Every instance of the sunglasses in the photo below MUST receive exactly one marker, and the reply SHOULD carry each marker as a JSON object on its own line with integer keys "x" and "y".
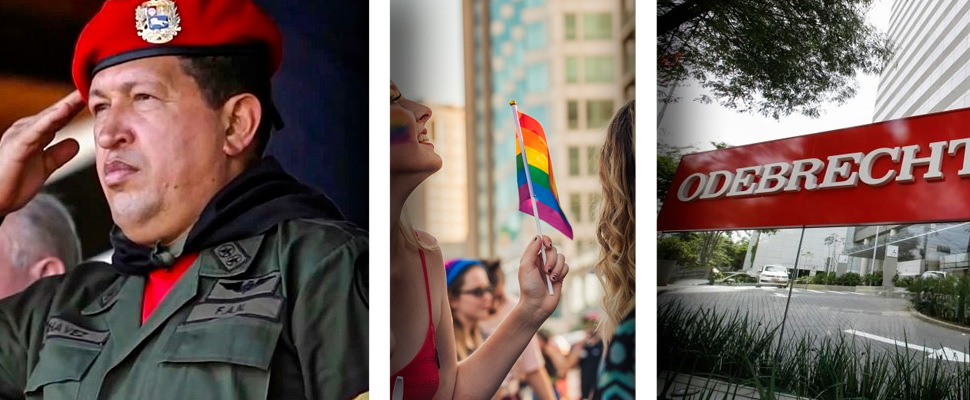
{"x": 479, "y": 292}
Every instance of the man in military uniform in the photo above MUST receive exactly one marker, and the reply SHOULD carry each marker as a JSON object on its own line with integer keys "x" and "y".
{"x": 229, "y": 279}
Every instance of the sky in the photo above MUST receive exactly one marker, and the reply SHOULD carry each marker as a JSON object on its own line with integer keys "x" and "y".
{"x": 691, "y": 123}
{"x": 426, "y": 50}
{"x": 426, "y": 63}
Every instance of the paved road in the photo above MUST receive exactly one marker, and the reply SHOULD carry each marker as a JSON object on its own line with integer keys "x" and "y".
{"x": 823, "y": 312}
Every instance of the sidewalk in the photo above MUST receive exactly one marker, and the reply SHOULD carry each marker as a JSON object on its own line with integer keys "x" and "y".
{"x": 687, "y": 387}
{"x": 683, "y": 283}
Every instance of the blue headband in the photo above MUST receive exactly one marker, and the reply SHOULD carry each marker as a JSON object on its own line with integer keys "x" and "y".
{"x": 456, "y": 266}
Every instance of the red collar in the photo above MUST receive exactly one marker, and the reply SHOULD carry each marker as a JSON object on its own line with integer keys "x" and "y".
{"x": 161, "y": 281}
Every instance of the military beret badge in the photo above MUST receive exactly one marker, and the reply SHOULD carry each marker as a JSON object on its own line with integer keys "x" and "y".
{"x": 157, "y": 21}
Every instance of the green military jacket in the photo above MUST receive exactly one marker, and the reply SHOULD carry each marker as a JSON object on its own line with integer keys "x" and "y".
{"x": 282, "y": 315}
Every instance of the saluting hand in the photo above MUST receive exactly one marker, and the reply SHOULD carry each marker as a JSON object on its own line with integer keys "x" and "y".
{"x": 25, "y": 164}
{"x": 533, "y": 274}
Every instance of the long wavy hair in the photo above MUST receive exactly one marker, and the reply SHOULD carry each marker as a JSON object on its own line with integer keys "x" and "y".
{"x": 615, "y": 230}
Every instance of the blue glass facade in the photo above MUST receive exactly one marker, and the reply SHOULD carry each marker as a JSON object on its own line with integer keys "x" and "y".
{"x": 514, "y": 78}
{"x": 537, "y": 80}
{"x": 535, "y": 36}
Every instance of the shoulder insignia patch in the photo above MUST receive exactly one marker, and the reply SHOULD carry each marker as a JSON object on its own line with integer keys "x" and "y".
{"x": 231, "y": 255}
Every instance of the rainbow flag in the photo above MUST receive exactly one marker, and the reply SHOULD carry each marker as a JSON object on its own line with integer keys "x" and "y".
{"x": 543, "y": 180}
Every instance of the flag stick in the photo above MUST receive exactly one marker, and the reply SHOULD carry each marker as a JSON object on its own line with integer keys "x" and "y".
{"x": 532, "y": 195}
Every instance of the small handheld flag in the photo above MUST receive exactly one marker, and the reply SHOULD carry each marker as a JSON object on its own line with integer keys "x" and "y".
{"x": 537, "y": 184}
{"x": 538, "y": 181}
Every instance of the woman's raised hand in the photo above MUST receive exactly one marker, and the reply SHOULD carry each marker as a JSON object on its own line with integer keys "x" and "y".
{"x": 532, "y": 278}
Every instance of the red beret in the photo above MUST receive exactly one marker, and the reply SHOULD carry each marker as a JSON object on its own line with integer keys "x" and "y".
{"x": 126, "y": 30}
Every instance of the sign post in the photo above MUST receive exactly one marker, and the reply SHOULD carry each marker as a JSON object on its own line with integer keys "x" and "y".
{"x": 889, "y": 267}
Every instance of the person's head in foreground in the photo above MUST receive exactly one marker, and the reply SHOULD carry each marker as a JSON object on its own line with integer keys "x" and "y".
{"x": 470, "y": 297}
{"x": 37, "y": 241}
{"x": 413, "y": 158}
{"x": 615, "y": 229}
{"x": 180, "y": 109}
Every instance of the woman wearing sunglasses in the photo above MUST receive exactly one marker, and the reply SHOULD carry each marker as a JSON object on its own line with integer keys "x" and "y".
{"x": 424, "y": 360}
{"x": 470, "y": 297}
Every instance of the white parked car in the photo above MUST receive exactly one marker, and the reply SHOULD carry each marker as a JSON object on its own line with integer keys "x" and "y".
{"x": 773, "y": 275}
{"x": 934, "y": 274}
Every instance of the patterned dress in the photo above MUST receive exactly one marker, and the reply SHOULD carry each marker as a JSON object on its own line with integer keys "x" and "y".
{"x": 616, "y": 382}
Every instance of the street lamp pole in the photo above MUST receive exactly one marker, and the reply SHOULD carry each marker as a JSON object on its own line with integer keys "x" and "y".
{"x": 791, "y": 285}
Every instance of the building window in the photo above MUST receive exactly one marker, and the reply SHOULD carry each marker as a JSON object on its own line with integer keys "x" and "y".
{"x": 594, "y": 203}
{"x": 575, "y": 207}
{"x": 572, "y": 114}
{"x": 535, "y": 36}
{"x": 599, "y": 69}
{"x": 598, "y": 113}
{"x": 573, "y": 161}
{"x": 537, "y": 77}
{"x": 597, "y": 26}
{"x": 570, "y": 26}
{"x": 592, "y": 160}
{"x": 572, "y": 70}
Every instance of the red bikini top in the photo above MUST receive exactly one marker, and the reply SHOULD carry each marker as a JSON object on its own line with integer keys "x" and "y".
{"x": 421, "y": 374}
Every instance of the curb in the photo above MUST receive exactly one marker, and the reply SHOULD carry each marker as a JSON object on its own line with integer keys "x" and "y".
{"x": 667, "y": 289}
{"x": 938, "y": 322}
{"x": 878, "y": 291}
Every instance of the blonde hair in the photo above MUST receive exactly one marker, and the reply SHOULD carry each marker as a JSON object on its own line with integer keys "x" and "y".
{"x": 615, "y": 230}
{"x": 460, "y": 340}
{"x": 454, "y": 290}
{"x": 409, "y": 234}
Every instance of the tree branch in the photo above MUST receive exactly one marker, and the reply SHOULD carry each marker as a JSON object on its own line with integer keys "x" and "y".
{"x": 682, "y": 13}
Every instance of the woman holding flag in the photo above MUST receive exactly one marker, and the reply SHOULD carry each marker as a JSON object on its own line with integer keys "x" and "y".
{"x": 424, "y": 362}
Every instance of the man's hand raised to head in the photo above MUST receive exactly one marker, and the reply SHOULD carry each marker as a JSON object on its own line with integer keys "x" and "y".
{"x": 25, "y": 164}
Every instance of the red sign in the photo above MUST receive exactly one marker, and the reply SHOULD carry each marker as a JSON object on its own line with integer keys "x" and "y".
{"x": 908, "y": 170}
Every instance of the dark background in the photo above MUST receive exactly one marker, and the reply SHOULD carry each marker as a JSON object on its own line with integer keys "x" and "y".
{"x": 321, "y": 91}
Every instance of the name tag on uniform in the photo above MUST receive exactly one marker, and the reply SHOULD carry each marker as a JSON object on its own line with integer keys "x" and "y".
{"x": 267, "y": 307}
{"x": 62, "y": 328}
{"x": 254, "y": 297}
